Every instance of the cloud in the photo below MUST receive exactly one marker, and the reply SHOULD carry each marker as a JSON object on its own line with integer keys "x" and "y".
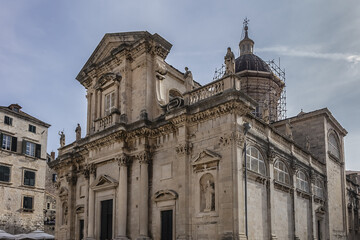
{"x": 287, "y": 51}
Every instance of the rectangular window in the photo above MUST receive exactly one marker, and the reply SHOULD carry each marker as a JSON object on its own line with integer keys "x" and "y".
{"x": 28, "y": 203}
{"x": 4, "y": 173}
{"x": 29, "y": 178}
{"x": 54, "y": 177}
{"x": 8, "y": 142}
{"x": 8, "y": 120}
{"x": 109, "y": 102}
{"x": 30, "y": 149}
{"x": 32, "y": 128}
{"x": 48, "y": 205}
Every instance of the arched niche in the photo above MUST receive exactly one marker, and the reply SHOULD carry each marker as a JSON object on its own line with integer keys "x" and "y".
{"x": 207, "y": 193}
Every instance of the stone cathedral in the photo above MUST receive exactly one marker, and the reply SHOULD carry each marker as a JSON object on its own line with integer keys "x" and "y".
{"x": 164, "y": 157}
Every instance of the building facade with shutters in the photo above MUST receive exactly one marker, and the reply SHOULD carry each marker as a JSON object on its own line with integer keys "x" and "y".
{"x": 164, "y": 158}
{"x": 23, "y": 140}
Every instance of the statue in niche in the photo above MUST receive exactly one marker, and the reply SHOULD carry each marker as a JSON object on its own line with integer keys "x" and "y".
{"x": 207, "y": 188}
{"x": 189, "y": 81}
{"x": 209, "y": 192}
{"x": 229, "y": 62}
{"x": 78, "y": 132}
{"x": 62, "y": 138}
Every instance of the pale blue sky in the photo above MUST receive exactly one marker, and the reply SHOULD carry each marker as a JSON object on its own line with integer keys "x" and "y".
{"x": 44, "y": 44}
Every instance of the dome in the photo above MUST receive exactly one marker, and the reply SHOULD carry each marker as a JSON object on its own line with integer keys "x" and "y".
{"x": 251, "y": 62}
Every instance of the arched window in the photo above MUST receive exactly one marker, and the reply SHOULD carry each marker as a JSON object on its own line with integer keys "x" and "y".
{"x": 318, "y": 189}
{"x": 281, "y": 172}
{"x": 302, "y": 181}
{"x": 333, "y": 145}
{"x": 255, "y": 161}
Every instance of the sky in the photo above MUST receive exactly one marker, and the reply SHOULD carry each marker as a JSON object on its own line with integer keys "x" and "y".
{"x": 45, "y": 43}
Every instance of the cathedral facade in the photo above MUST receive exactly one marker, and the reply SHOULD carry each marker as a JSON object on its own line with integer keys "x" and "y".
{"x": 166, "y": 158}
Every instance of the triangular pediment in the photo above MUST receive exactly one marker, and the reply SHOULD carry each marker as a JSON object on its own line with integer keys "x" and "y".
{"x": 206, "y": 160}
{"x": 103, "y": 182}
{"x": 113, "y": 43}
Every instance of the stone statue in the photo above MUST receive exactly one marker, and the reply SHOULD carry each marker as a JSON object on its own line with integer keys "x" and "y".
{"x": 78, "y": 132}
{"x": 189, "y": 81}
{"x": 288, "y": 131}
{"x": 229, "y": 62}
{"x": 307, "y": 143}
{"x": 62, "y": 138}
{"x": 209, "y": 191}
{"x": 265, "y": 112}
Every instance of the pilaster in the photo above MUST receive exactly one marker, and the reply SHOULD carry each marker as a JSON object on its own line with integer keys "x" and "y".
{"x": 144, "y": 160}
{"x": 91, "y": 207}
{"x": 123, "y": 161}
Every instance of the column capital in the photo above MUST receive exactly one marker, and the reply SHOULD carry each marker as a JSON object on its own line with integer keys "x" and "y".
{"x": 88, "y": 170}
{"x": 144, "y": 157}
{"x": 123, "y": 160}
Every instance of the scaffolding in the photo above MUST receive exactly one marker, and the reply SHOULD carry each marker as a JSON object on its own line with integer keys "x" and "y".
{"x": 219, "y": 72}
{"x": 280, "y": 73}
{"x": 278, "y": 112}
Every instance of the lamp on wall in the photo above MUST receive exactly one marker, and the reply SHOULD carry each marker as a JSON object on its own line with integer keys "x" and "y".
{"x": 247, "y": 127}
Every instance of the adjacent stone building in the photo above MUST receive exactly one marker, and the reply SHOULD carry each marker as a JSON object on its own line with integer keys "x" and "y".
{"x": 163, "y": 157}
{"x": 50, "y": 197}
{"x": 23, "y": 141}
{"x": 353, "y": 197}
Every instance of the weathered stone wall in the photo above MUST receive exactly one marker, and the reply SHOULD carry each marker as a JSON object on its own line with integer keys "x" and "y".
{"x": 284, "y": 227}
{"x": 258, "y": 211}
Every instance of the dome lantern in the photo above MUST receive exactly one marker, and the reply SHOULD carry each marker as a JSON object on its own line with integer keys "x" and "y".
{"x": 246, "y": 45}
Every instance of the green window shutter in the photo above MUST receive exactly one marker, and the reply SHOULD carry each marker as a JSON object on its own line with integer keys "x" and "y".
{"x": 14, "y": 144}
{"x": 23, "y": 147}
{"x": 38, "y": 151}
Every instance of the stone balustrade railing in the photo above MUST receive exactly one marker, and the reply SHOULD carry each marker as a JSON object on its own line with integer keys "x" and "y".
{"x": 105, "y": 121}
{"x": 212, "y": 89}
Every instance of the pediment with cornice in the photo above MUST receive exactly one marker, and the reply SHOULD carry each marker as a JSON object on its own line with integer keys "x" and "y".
{"x": 103, "y": 182}
{"x": 165, "y": 195}
{"x": 113, "y": 43}
{"x": 206, "y": 160}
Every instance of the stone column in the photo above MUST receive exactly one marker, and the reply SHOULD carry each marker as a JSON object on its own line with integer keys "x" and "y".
{"x": 294, "y": 205}
{"x": 123, "y": 161}
{"x": 71, "y": 178}
{"x": 88, "y": 123}
{"x": 144, "y": 159}
{"x": 117, "y": 95}
{"x": 312, "y": 204}
{"x": 271, "y": 200}
{"x": 91, "y": 207}
{"x": 98, "y": 99}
